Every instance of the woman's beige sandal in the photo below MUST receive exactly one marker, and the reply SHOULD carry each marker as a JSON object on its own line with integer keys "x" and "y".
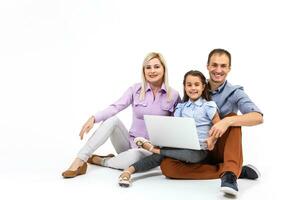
{"x": 125, "y": 179}
{"x": 140, "y": 141}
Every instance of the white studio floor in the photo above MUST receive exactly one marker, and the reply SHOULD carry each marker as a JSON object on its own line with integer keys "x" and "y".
{"x": 40, "y": 179}
{"x": 33, "y": 158}
{"x": 102, "y": 182}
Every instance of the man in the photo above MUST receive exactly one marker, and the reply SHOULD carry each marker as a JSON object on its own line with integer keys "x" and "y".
{"x": 225, "y": 160}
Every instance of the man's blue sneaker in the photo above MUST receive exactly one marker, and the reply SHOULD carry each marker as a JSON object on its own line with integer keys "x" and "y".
{"x": 249, "y": 172}
{"x": 229, "y": 184}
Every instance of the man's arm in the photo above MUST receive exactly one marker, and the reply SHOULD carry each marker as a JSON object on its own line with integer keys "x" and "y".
{"x": 251, "y": 114}
{"x": 216, "y": 118}
{"x": 248, "y": 119}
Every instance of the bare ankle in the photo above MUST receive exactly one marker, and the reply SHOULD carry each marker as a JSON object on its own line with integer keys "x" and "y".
{"x": 126, "y": 173}
{"x": 156, "y": 150}
{"x": 148, "y": 146}
{"x": 131, "y": 169}
{"x": 76, "y": 163}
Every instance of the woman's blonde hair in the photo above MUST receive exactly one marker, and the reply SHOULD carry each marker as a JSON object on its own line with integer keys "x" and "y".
{"x": 149, "y": 57}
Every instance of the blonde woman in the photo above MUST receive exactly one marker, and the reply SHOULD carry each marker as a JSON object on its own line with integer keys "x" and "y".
{"x": 152, "y": 96}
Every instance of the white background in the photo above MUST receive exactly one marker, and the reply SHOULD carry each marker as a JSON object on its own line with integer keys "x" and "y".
{"x": 61, "y": 61}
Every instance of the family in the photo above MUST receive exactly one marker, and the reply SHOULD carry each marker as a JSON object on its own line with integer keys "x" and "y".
{"x": 213, "y": 103}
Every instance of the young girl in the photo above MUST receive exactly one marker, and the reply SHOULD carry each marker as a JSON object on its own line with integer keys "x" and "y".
{"x": 196, "y": 104}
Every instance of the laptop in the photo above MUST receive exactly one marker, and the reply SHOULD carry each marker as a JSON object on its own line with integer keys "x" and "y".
{"x": 176, "y": 132}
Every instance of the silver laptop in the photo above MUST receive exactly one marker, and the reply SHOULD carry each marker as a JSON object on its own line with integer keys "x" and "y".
{"x": 176, "y": 132}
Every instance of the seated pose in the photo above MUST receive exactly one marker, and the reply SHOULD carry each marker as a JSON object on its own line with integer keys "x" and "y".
{"x": 196, "y": 104}
{"x": 225, "y": 161}
{"x": 152, "y": 96}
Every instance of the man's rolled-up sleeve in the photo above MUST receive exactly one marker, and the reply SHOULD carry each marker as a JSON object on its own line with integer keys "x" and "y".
{"x": 245, "y": 104}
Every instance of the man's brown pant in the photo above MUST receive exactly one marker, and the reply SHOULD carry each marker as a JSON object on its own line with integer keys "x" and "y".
{"x": 226, "y": 156}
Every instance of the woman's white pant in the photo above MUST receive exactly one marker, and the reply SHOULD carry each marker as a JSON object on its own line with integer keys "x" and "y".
{"x": 114, "y": 129}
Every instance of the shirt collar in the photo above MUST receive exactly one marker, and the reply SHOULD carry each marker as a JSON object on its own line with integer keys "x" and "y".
{"x": 163, "y": 88}
{"x": 199, "y": 102}
{"x": 219, "y": 89}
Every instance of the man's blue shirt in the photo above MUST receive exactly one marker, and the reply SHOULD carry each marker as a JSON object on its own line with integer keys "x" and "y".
{"x": 231, "y": 99}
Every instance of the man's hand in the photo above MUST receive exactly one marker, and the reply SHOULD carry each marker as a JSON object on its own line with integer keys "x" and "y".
{"x": 219, "y": 128}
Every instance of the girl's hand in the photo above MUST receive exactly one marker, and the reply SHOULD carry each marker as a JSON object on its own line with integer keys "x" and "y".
{"x": 87, "y": 127}
{"x": 211, "y": 141}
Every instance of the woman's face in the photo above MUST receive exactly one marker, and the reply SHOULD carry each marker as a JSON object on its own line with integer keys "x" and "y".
{"x": 154, "y": 71}
{"x": 193, "y": 87}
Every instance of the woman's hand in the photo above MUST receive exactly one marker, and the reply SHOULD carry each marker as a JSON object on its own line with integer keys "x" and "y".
{"x": 87, "y": 126}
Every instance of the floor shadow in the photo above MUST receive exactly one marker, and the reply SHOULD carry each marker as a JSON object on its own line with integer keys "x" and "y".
{"x": 149, "y": 174}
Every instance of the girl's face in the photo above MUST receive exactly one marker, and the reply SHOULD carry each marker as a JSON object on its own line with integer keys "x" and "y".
{"x": 154, "y": 71}
{"x": 193, "y": 87}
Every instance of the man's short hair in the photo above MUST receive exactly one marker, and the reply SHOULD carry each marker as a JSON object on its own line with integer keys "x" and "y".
{"x": 220, "y": 52}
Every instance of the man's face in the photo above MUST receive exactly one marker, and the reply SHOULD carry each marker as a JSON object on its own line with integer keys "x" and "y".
{"x": 218, "y": 68}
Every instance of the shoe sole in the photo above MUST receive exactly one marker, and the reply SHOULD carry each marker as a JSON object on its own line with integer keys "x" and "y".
{"x": 73, "y": 176}
{"x": 228, "y": 190}
{"x": 124, "y": 184}
{"x": 80, "y": 171}
{"x": 255, "y": 169}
